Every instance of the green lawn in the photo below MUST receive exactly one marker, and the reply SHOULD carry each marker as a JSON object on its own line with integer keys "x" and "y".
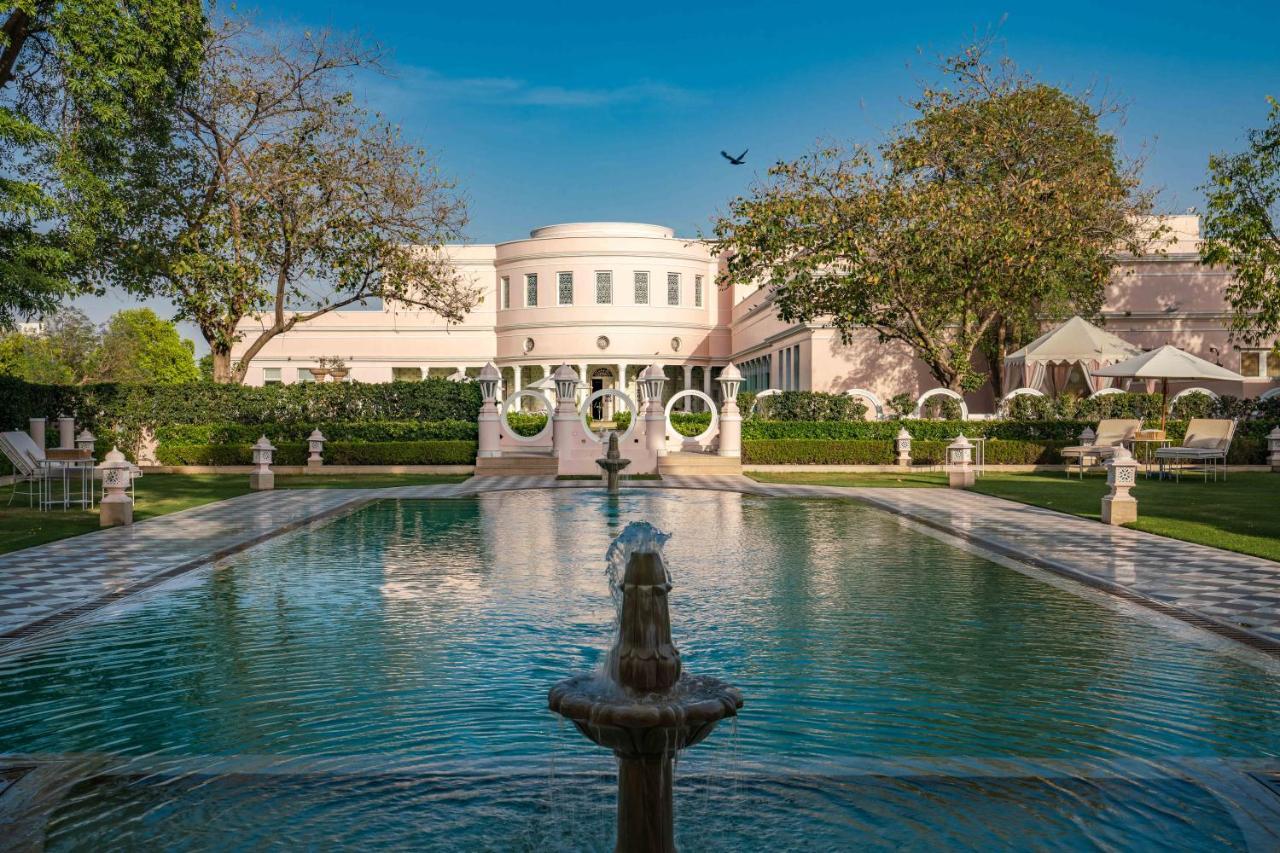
{"x": 1241, "y": 514}
{"x": 160, "y": 494}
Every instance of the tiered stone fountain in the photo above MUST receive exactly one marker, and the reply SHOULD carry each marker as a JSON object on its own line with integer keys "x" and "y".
{"x": 613, "y": 463}
{"x": 643, "y": 706}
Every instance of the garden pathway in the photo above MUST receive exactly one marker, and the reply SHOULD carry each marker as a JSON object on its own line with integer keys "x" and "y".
{"x": 1233, "y": 594}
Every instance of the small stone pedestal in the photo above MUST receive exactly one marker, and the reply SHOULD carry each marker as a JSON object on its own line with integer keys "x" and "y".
{"x": 490, "y": 436}
{"x": 262, "y": 478}
{"x": 315, "y": 446}
{"x": 960, "y": 473}
{"x": 1118, "y": 506}
{"x": 116, "y": 507}
{"x": 730, "y": 418}
{"x": 903, "y": 445}
{"x": 1273, "y": 450}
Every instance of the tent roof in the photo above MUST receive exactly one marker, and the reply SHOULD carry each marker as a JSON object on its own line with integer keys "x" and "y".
{"x": 1168, "y": 362}
{"x": 1075, "y": 340}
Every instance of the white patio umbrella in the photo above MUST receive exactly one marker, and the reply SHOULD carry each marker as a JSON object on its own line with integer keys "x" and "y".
{"x": 1077, "y": 341}
{"x": 1165, "y": 363}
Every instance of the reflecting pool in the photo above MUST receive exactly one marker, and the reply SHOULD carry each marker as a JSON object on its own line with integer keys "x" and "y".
{"x": 381, "y": 680}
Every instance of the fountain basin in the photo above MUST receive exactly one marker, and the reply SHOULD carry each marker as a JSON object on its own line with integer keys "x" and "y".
{"x": 647, "y": 724}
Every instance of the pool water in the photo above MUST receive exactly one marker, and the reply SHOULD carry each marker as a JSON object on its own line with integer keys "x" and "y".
{"x": 381, "y": 680}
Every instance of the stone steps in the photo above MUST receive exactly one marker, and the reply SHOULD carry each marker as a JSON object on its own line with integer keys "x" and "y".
{"x": 693, "y": 464}
{"x": 524, "y": 465}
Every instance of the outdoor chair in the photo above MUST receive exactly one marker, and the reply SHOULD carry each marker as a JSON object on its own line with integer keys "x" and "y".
{"x": 28, "y": 464}
{"x": 1206, "y": 444}
{"x": 1112, "y": 433}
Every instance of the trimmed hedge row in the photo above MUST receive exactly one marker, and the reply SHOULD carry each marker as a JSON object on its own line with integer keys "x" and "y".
{"x": 874, "y": 452}
{"x": 335, "y": 453}
{"x": 371, "y": 431}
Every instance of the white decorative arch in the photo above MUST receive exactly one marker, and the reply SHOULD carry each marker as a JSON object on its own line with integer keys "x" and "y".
{"x": 1185, "y": 391}
{"x": 1003, "y": 405}
{"x": 871, "y": 398}
{"x": 543, "y": 433}
{"x": 585, "y": 410}
{"x": 1107, "y": 392}
{"x": 941, "y": 392}
{"x": 1267, "y": 395}
{"x": 766, "y": 393}
{"x": 712, "y": 429}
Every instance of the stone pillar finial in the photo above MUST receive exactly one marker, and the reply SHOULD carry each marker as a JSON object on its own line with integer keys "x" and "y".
{"x": 1273, "y": 450}
{"x": 1118, "y": 506}
{"x": 730, "y": 380}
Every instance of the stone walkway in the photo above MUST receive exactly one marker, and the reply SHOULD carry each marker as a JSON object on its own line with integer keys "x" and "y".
{"x": 1233, "y": 594}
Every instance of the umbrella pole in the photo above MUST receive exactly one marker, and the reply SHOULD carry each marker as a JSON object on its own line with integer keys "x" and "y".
{"x": 1164, "y": 401}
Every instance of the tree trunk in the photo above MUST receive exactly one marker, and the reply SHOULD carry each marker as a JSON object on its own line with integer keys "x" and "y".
{"x": 996, "y": 362}
{"x": 16, "y": 28}
{"x": 222, "y": 372}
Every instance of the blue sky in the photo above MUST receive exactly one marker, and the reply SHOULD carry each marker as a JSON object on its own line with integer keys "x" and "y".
{"x": 560, "y": 112}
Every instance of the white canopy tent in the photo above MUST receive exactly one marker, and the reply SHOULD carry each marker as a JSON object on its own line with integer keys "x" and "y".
{"x": 1052, "y": 355}
{"x": 1169, "y": 362}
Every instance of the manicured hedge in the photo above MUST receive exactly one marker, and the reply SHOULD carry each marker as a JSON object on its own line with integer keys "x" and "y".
{"x": 371, "y": 431}
{"x": 872, "y": 452}
{"x": 335, "y": 453}
{"x": 127, "y": 409}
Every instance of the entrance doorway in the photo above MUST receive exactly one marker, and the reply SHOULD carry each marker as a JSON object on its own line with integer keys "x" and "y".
{"x": 601, "y": 409}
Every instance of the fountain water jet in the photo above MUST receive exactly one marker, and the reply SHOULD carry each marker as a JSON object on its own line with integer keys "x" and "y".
{"x": 643, "y": 705}
{"x": 612, "y": 463}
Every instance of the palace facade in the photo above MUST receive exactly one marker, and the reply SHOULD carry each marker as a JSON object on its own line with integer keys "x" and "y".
{"x": 611, "y": 298}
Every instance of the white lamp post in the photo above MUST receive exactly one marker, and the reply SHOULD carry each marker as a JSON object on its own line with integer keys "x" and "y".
{"x": 960, "y": 463}
{"x": 490, "y": 437}
{"x": 566, "y": 414}
{"x": 116, "y": 507}
{"x": 902, "y": 443}
{"x": 651, "y": 380}
{"x": 315, "y": 443}
{"x": 1273, "y": 449}
{"x": 730, "y": 380}
{"x": 1118, "y": 506}
{"x": 262, "y": 478}
{"x": 1088, "y": 437}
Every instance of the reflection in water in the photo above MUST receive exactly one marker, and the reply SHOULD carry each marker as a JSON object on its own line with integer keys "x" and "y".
{"x": 408, "y": 649}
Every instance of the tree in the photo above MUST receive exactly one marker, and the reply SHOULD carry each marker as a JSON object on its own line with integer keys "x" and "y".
{"x": 1002, "y": 201}
{"x": 85, "y": 89}
{"x": 1242, "y": 229}
{"x": 137, "y": 346}
{"x": 285, "y": 200}
{"x": 33, "y": 358}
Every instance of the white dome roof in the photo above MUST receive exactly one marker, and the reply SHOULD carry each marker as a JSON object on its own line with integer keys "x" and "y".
{"x": 603, "y": 229}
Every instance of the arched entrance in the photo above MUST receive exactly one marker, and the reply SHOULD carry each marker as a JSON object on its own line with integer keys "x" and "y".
{"x": 602, "y": 406}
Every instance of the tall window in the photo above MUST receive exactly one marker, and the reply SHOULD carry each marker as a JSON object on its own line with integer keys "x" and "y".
{"x": 673, "y": 288}
{"x": 604, "y": 288}
{"x": 565, "y": 290}
{"x": 305, "y": 375}
{"x": 531, "y": 289}
{"x": 697, "y": 291}
{"x": 505, "y": 288}
{"x": 642, "y": 288}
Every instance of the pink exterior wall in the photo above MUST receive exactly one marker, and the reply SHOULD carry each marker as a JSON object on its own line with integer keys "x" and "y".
{"x": 1155, "y": 299}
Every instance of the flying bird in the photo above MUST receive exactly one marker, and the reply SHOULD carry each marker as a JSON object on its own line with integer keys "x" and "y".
{"x": 737, "y": 161}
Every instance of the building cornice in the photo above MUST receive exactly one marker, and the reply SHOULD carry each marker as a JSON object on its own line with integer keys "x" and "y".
{"x": 610, "y": 253}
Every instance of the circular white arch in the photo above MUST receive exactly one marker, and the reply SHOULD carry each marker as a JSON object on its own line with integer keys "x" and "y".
{"x": 1024, "y": 391}
{"x": 943, "y": 392}
{"x": 1108, "y": 391}
{"x": 1267, "y": 395}
{"x": 711, "y": 429}
{"x": 585, "y": 410}
{"x": 1185, "y": 391}
{"x": 871, "y": 398}
{"x": 766, "y": 393}
{"x": 506, "y": 409}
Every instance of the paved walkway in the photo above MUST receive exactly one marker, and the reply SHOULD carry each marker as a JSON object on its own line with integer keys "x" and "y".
{"x": 1231, "y": 593}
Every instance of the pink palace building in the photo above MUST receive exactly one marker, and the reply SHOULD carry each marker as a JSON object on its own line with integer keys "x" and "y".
{"x": 611, "y": 298}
